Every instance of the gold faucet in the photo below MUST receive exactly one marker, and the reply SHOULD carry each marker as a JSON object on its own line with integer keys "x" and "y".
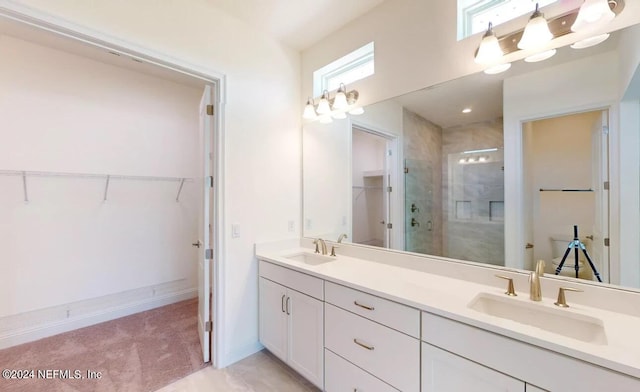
{"x": 535, "y": 293}
{"x": 342, "y": 236}
{"x": 322, "y": 244}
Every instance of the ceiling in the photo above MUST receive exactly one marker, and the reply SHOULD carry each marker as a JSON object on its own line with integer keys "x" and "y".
{"x": 296, "y": 23}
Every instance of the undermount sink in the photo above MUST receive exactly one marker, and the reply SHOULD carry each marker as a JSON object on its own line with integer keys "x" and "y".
{"x": 559, "y": 321}
{"x": 309, "y": 258}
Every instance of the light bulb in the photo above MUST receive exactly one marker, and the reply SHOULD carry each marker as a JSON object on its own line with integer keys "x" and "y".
{"x": 592, "y": 14}
{"x": 309, "y": 111}
{"x": 536, "y": 33}
{"x": 323, "y": 105}
{"x": 489, "y": 51}
{"x": 534, "y": 58}
{"x": 591, "y": 41}
{"x": 496, "y": 69}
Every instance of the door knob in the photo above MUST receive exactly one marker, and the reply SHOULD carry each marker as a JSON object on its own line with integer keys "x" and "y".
{"x": 197, "y": 244}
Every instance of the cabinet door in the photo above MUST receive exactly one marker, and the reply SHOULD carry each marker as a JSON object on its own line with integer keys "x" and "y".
{"x": 273, "y": 318}
{"x": 306, "y": 334}
{"x": 532, "y": 388}
{"x": 446, "y": 372}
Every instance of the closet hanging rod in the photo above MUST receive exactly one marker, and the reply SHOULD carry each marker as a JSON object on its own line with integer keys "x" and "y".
{"x": 565, "y": 190}
{"x": 26, "y": 173}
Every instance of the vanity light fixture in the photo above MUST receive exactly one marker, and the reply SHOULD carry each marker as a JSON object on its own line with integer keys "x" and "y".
{"x": 593, "y": 14}
{"x": 482, "y": 150}
{"x": 466, "y": 110}
{"x": 328, "y": 108}
{"x": 590, "y": 18}
{"x": 536, "y": 33}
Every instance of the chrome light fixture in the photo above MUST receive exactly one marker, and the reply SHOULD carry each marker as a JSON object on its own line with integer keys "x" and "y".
{"x": 489, "y": 51}
{"x": 327, "y": 109}
{"x": 593, "y": 14}
{"x": 536, "y": 33}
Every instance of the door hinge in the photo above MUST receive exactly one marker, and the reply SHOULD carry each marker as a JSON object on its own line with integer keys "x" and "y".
{"x": 390, "y": 153}
{"x": 208, "y": 254}
{"x": 389, "y": 225}
{"x": 406, "y": 170}
{"x": 606, "y": 242}
{"x": 210, "y": 110}
{"x": 606, "y": 185}
{"x": 389, "y": 189}
{"x": 208, "y": 326}
{"x": 210, "y": 181}
{"x": 605, "y": 129}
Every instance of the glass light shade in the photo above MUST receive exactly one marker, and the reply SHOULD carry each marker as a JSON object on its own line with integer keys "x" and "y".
{"x": 592, "y": 14}
{"x": 540, "y": 56}
{"x": 496, "y": 69}
{"x": 356, "y": 111}
{"x": 309, "y": 111}
{"x": 323, "y": 105}
{"x": 326, "y": 119}
{"x": 489, "y": 51}
{"x": 591, "y": 41}
{"x": 340, "y": 101}
{"x": 536, "y": 33}
{"x": 339, "y": 115}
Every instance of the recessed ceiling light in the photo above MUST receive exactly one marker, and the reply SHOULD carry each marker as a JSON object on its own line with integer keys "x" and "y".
{"x": 466, "y": 110}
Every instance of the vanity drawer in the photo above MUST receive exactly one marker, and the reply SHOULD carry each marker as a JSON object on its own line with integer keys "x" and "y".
{"x": 387, "y": 354}
{"x": 383, "y": 311}
{"x": 343, "y": 376}
{"x": 298, "y": 281}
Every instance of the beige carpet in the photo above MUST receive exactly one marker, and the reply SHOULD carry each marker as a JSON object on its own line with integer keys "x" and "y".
{"x": 142, "y": 352}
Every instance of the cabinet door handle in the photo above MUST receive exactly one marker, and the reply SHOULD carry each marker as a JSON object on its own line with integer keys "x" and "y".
{"x": 282, "y": 302}
{"x": 370, "y": 348}
{"x": 288, "y": 300}
{"x": 363, "y": 306}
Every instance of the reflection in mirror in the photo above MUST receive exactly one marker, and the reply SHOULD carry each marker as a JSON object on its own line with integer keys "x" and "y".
{"x": 505, "y": 182}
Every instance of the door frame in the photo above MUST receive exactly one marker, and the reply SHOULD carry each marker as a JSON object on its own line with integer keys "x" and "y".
{"x": 515, "y": 238}
{"x": 395, "y": 206}
{"x": 217, "y": 80}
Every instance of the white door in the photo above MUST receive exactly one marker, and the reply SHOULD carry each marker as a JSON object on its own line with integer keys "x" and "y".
{"x": 600, "y": 175}
{"x": 273, "y": 317}
{"x": 306, "y": 336}
{"x": 204, "y": 226}
{"x": 446, "y": 372}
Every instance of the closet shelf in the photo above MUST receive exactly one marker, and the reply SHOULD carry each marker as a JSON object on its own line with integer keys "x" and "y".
{"x": 107, "y": 177}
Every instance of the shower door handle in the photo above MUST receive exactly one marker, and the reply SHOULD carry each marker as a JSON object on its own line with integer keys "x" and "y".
{"x": 528, "y": 246}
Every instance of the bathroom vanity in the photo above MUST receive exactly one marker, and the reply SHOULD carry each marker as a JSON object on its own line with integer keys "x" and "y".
{"x": 376, "y": 320}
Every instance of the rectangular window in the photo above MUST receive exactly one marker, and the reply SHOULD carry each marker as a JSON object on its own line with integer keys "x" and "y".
{"x": 475, "y": 15}
{"x": 354, "y": 66}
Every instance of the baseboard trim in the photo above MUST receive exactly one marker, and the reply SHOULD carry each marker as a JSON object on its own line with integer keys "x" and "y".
{"x": 44, "y": 330}
{"x": 241, "y": 353}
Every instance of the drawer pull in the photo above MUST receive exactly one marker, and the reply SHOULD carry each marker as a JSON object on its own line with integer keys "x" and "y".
{"x": 288, "y": 300}
{"x": 363, "y": 345}
{"x": 363, "y": 306}
{"x": 282, "y": 302}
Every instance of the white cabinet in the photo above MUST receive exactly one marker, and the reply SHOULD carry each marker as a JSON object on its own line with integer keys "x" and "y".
{"x": 446, "y": 372}
{"x": 343, "y": 376}
{"x": 292, "y": 328}
{"x": 531, "y": 388}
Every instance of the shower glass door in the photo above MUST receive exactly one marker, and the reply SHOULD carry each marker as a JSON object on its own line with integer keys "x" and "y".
{"x": 422, "y": 235}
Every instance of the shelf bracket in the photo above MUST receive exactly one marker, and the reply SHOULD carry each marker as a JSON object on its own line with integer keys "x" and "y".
{"x": 106, "y": 189}
{"x": 180, "y": 189}
{"x": 24, "y": 186}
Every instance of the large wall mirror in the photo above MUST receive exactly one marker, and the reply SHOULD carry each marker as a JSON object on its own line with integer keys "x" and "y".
{"x": 497, "y": 169}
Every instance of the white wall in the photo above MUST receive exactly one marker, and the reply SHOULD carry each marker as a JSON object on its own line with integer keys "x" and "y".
{"x": 262, "y": 109}
{"x": 66, "y": 113}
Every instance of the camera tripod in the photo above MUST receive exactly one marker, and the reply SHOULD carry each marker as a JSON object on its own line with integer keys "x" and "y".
{"x": 575, "y": 245}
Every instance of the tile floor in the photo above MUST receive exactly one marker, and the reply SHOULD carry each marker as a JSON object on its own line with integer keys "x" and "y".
{"x": 261, "y": 372}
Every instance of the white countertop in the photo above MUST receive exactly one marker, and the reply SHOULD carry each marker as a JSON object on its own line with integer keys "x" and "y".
{"x": 450, "y": 297}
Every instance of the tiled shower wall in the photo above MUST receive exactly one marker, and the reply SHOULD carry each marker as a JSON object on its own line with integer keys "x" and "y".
{"x": 473, "y": 228}
{"x": 423, "y": 158}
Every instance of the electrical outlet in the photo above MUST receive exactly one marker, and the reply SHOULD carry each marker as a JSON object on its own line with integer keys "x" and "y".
{"x": 344, "y": 220}
{"x": 307, "y": 224}
{"x": 291, "y": 226}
